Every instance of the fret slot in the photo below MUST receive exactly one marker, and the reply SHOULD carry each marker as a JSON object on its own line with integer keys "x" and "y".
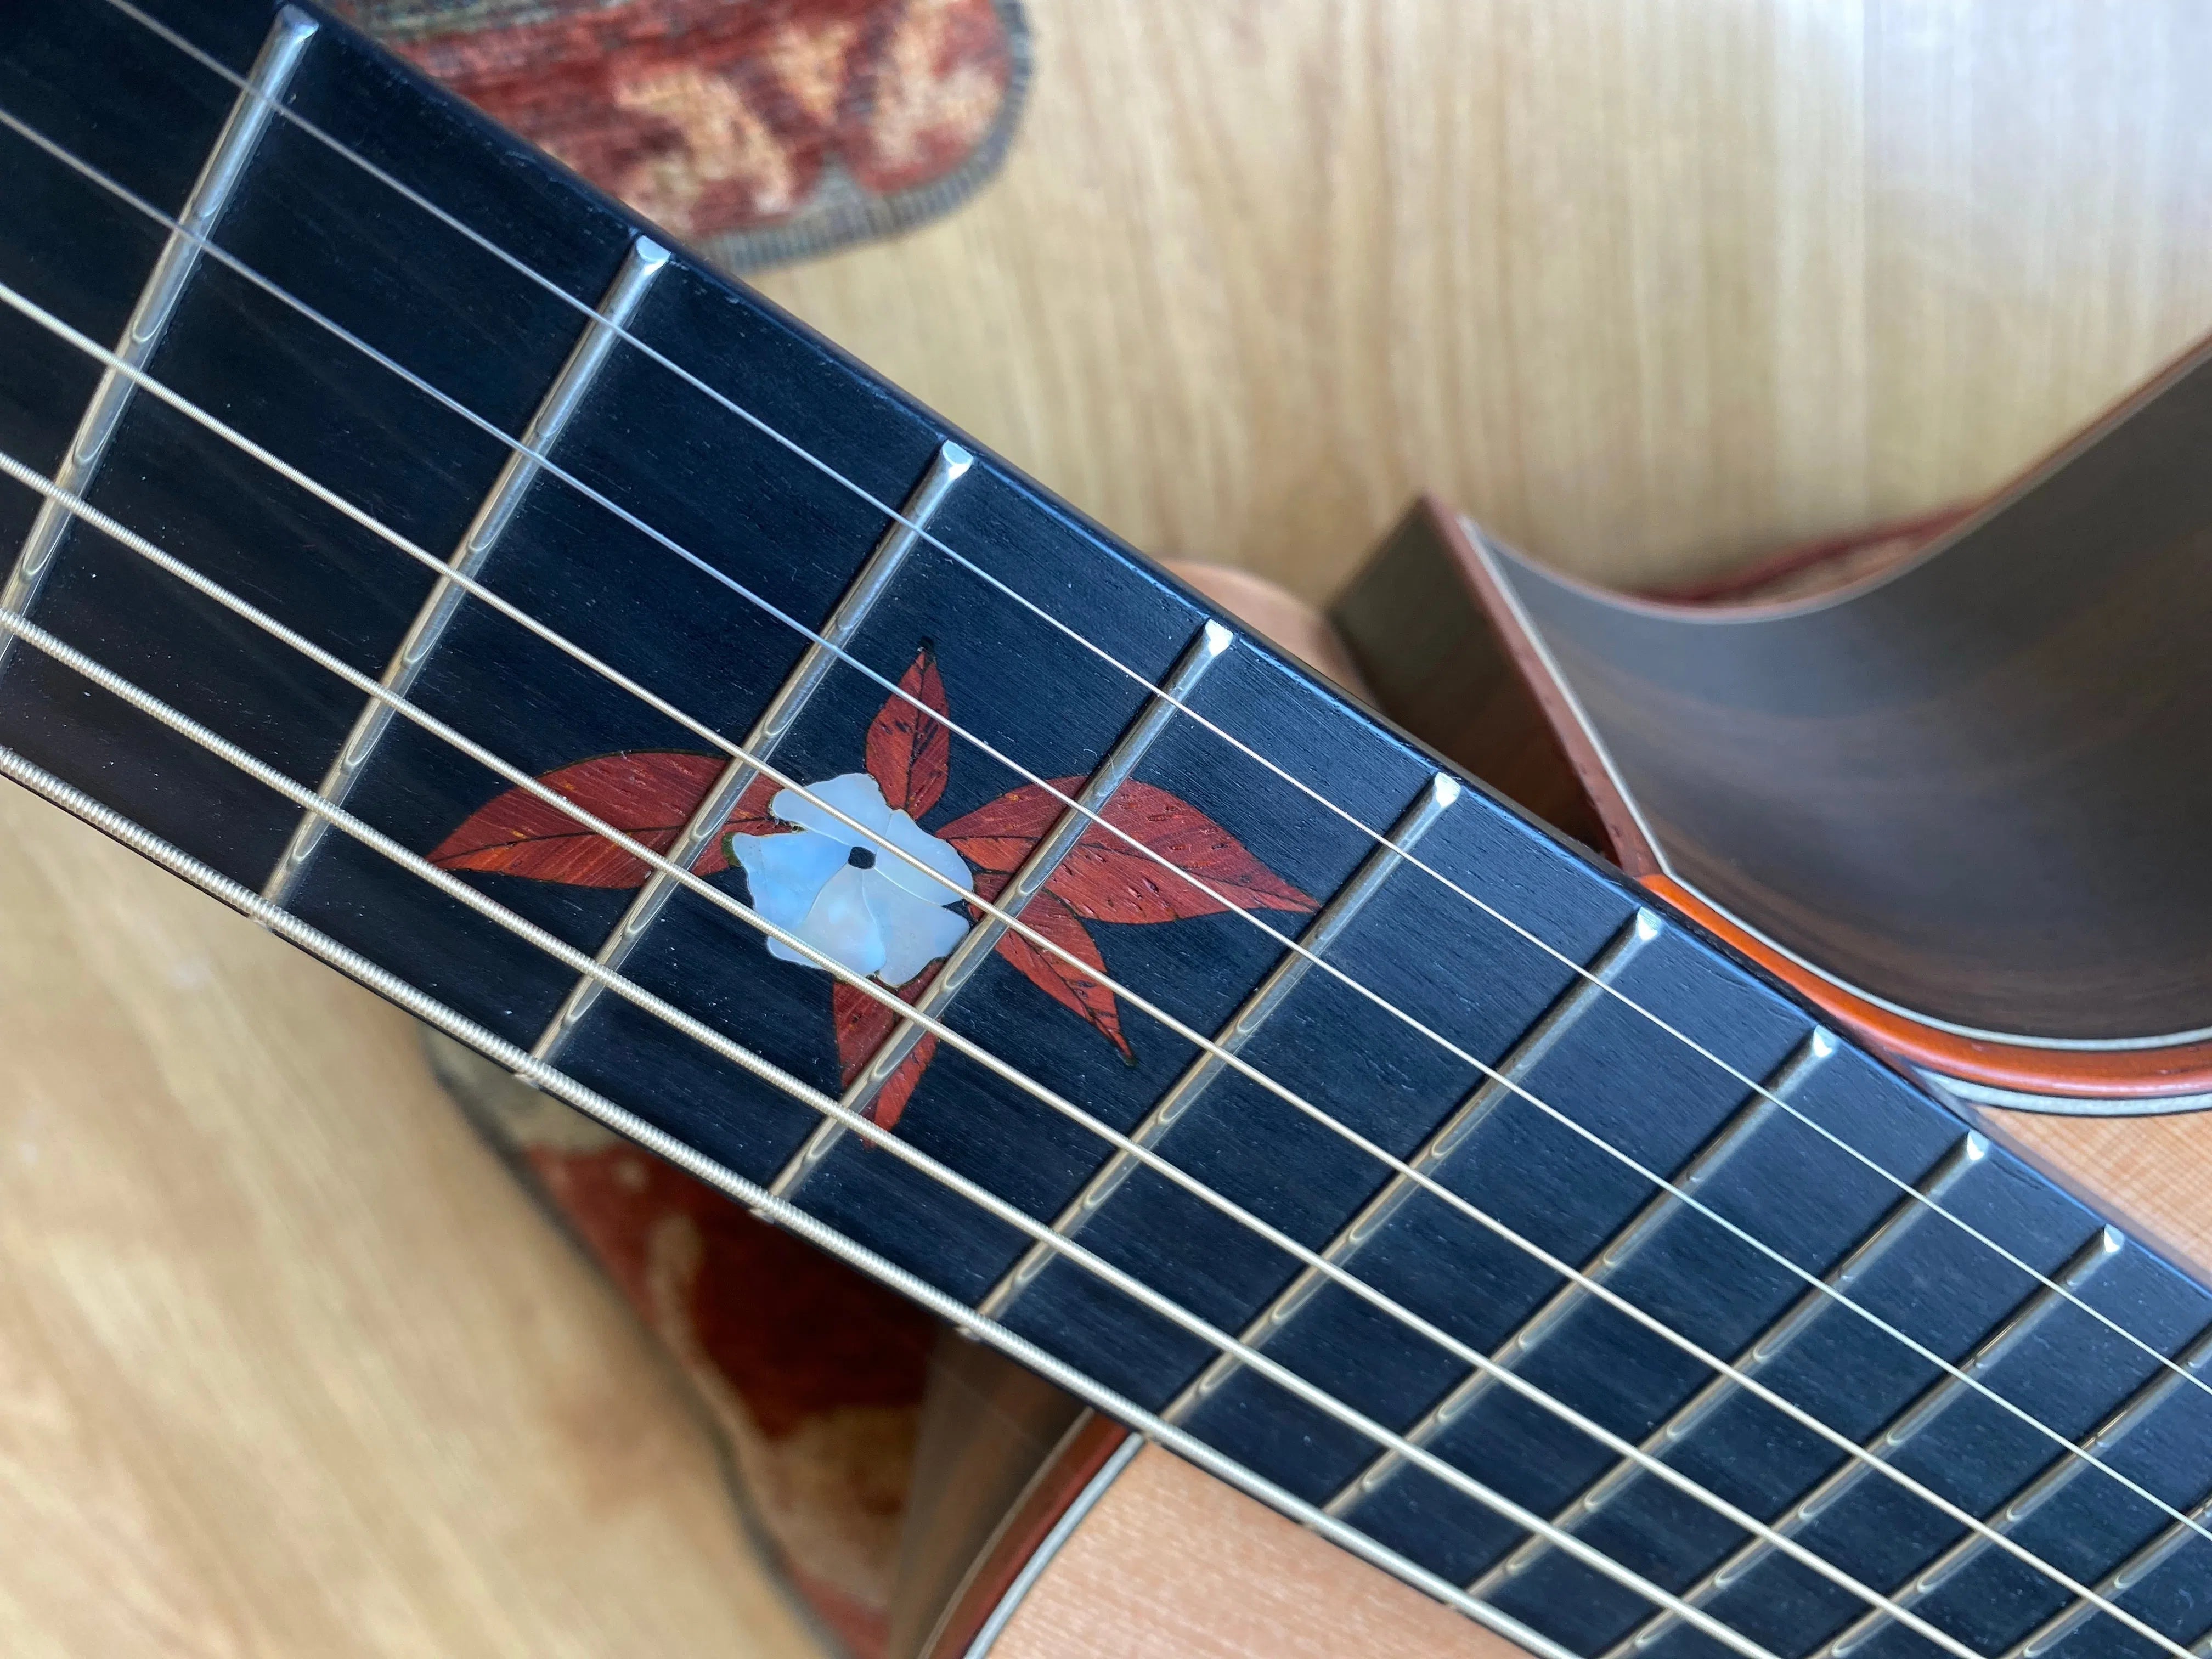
{"x": 2163, "y": 1391}
{"x": 982, "y": 939}
{"x": 1890, "y": 1443}
{"x": 144, "y": 333}
{"x": 1908, "y": 1215}
{"x": 946, "y": 469}
{"x": 492, "y": 516}
{"x": 1604, "y": 1265}
{"x": 2130, "y": 1579}
{"x": 1242, "y": 1027}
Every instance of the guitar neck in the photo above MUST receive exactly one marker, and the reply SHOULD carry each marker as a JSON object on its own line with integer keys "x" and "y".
{"x": 379, "y": 488}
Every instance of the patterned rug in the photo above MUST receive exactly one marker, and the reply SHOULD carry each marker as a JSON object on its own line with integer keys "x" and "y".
{"x": 810, "y": 1377}
{"x": 756, "y": 130}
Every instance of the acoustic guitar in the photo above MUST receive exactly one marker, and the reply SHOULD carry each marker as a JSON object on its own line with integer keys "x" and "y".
{"x": 415, "y": 552}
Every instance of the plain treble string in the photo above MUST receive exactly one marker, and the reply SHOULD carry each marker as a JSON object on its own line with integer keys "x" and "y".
{"x": 1851, "y": 1448}
{"x": 1269, "y": 1083}
{"x": 1905, "y": 1188}
{"x": 97, "y": 674}
{"x": 43, "y": 641}
{"x": 1275, "y": 1087}
{"x": 1298, "y": 946}
{"x": 215, "y": 590}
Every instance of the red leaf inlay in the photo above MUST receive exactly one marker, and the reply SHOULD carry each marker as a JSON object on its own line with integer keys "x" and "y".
{"x": 1106, "y": 879}
{"x": 909, "y": 753}
{"x": 647, "y": 796}
{"x": 863, "y": 1021}
{"x": 890, "y": 1103}
{"x": 999, "y": 833}
{"x": 1071, "y": 986}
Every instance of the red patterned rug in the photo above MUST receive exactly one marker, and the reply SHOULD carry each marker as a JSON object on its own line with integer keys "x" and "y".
{"x": 756, "y": 130}
{"x": 809, "y": 1376}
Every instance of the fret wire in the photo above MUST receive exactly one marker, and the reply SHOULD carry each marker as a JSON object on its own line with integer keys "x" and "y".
{"x": 148, "y": 321}
{"x": 644, "y": 260}
{"x": 1251, "y": 918}
{"x": 402, "y": 543}
{"x": 1026, "y": 883}
{"x": 798, "y": 1222}
{"x": 2123, "y": 1578}
{"x": 1606, "y": 1260}
{"x": 408, "y": 193}
{"x": 1763, "y": 1351}
{"x": 1240, "y": 1028}
{"x": 690, "y": 1027}
{"x": 946, "y": 468}
{"x": 260, "y": 771}
{"x": 1306, "y": 1107}
{"x": 1540, "y": 1040}
{"x": 2046, "y": 1487}
{"x": 1893, "y": 1438}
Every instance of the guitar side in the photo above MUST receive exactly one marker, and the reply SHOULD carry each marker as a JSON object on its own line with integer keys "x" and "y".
{"x": 1114, "y": 1547}
{"x": 1453, "y": 659}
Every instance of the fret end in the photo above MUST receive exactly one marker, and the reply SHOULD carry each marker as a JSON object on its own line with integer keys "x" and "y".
{"x": 953, "y": 460}
{"x": 293, "y": 28}
{"x": 1444, "y": 790}
{"x": 1647, "y": 925}
{"x": 648, "y": 255}
{"x": 1822, "y": 1044}
{"x": 1976, "y": 1147}
{"x": 1215, "y": 638}
{"x": 2112, "y": 1240}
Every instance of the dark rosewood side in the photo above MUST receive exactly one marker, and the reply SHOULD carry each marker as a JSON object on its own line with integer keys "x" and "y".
{"x": 1953, "y": 803}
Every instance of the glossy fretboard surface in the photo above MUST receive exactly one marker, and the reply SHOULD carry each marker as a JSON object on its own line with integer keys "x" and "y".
{"x": 1827, "y": 1278}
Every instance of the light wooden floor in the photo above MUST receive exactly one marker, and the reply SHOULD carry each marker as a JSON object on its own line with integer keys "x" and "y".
{"x": 287, "y": 1368}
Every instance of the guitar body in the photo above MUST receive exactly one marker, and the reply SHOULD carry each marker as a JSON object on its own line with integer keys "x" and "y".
{"x": 1058, "y": 1577}
{"x": 1833, "y": 780}
{"x": 416, "y": 553}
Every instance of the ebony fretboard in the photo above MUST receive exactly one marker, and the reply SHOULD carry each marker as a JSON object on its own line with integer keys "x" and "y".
{"x": 694, "y": 549}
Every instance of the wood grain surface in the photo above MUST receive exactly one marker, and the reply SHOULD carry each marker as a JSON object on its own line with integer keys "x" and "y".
{"x": 288, "y": 1364}
{"x": 1170, "y": 1562}
{"x": 1645, "y": 288}
{"x": 285, "y": 1365}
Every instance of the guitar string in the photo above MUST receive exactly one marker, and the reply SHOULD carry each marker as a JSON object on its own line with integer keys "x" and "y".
{"x": 559, "y": 1083}
{"x": 1243, "y": 1066}
{"x": 307, "y": 800}
{"x": 1273, "y": 1085}
{"x": 184, "y": 572}
{"x": 923, "y": 534}
{"x": 1541, "y": 1102}
{"x": 399, "y": 370}
{"x": 179, "y": 570}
